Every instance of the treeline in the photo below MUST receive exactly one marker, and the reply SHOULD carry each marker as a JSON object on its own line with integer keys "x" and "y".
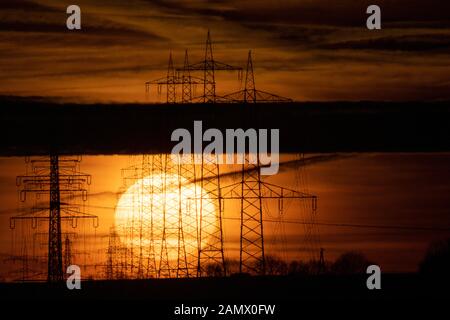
{"x": 348, "y": 263}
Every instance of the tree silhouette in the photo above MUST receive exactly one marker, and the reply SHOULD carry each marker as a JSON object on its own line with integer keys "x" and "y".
{"x": 350, "y": 263}
{"x": 436, "y": 262}
{"x": 275, "y": 266}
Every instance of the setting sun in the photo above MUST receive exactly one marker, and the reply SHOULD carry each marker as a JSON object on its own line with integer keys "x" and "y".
{"x": 145, "y": 207}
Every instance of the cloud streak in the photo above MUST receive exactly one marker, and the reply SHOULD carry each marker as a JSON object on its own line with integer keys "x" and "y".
{"x": 307, "y": 50}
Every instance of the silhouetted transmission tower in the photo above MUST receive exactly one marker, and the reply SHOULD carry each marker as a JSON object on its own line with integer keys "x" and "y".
{"x": 250, "y": 94}
{"x": 54, "y": 176}
{"x": 173, "y": 79}
{"x": 209, "y": 66}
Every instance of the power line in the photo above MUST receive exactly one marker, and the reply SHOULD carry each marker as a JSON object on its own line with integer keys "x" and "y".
{"x": 335, "y": 224}
{"x": 351, "y": 225}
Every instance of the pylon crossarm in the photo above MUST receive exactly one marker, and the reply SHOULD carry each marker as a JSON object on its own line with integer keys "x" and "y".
{"x": 234, "y": 97}
{"x": 44, "y": 178}
{"x": 232, "y": 190}
{"x": 201, "y": 66}
{"x": 271, "y": 190}
{"x": 262, "y": 96}
{"x": 164, "y": 81}
{"x": 223, "y": 66}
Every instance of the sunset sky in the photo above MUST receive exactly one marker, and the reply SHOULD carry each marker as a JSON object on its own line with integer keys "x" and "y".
{"x": 393, "y": 190}
{"x": 307, "y": 50}
{"x": 304, "y": 49}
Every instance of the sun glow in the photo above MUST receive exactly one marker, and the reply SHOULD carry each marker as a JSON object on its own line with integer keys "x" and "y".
{"x": 156, "y": 201}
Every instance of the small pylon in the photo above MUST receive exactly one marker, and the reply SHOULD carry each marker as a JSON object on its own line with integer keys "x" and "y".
{"x": 170, "y": 81}
{"x": 209, "y": 90}
{"x": 67, "y": 252}
{"x": 249, "y": 94}
{"x": 250, "y": 87}
{"x": 187, "y": 81}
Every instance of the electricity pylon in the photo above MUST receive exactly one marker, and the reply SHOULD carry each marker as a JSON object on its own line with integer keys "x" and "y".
{"x": 173, "y": 79}
{"x": 187, "y": 172}
{"x": 170, "y": 81}
{"x": 209, "y": 66}
{"x": 67, "y": 252}
{"x": 160, "y": 225}
{"x": 251, "y": 191}
{"x": 250, "y": 94}
{"x": 54, "y": 176}
{"x": 211, "y": 250}
{"x": 172, "y": 227}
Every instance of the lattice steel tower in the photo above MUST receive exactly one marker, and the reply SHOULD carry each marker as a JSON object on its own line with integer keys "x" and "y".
{"x": 54, "y": 176}
{"x": 209, "y": 66}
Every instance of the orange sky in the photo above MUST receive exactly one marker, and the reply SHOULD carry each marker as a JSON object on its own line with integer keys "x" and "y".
{"x": 305, "y": 49}
{"x": 369, "y": 189}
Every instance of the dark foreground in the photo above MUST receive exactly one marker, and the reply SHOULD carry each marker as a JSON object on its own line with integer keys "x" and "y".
{"x": 40, "y": 127}
{"x": 283, "y": 288}
{"x": 292, "y": 297}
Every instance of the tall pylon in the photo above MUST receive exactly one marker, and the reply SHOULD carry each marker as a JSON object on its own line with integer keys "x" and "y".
{"x": 55, "y": 263}
{"x": 148, "y": 253}
{"x": 211, "y": 250}
{"x": 252, "y": 256}
{"x": 251, "y": 191}
{"x": 172, "y": 234}
{"x": 53, "y": 176}
{"x": 187, "y": 81}
{"x": 209, "y": 66}
{"x": 189, "y": 211}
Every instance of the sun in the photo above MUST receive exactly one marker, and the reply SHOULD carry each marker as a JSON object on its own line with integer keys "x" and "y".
{"x": 161, "y": 200}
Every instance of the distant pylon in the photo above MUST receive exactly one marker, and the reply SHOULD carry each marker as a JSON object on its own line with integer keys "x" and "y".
{"x": 170, "y": 81}
{"x": 187, "y": 81}
{"x": 250, "y": 87}
{"x": 250, "y": 94}
{"x": 209, "y": 91}
{"x": 25, "y": 268}
{"x": 67, "y": 252}
{"x": 114, "y": 264}
{"x": 322, "y": 261}
{"x": 209, "y": 66}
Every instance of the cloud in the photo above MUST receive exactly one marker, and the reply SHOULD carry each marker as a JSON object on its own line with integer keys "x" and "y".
{"x": 422, "y": 42}
{"x": 302, "y": 49}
